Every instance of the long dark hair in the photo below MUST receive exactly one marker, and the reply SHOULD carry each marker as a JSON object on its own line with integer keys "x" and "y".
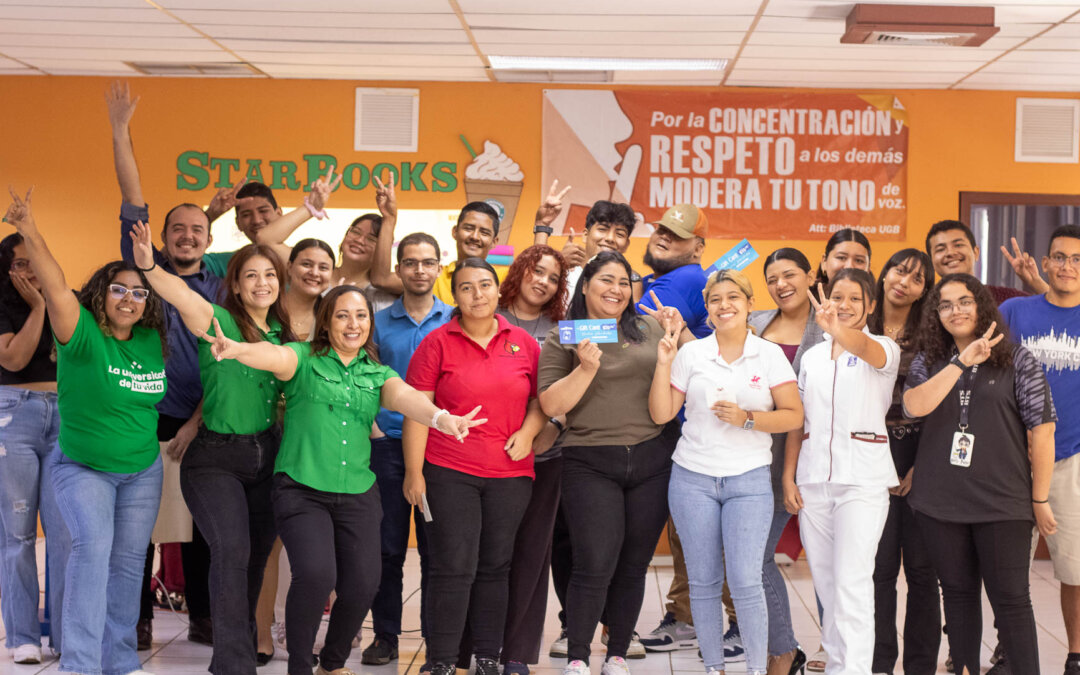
{"x": 235, "y": 306}
{"x": 937, "y": 344}
{"x": 324, "y": 313}
{"x": 629, "y": 323}
{"x": 876, "y": 321}
{"x": 787, "y": 253}
{"x": 841, "y": 236}
{"x": 9, "y": 297}
{"x": 523, "y": 264}
{"x": 474, "y": 263}
{"x": 861, "y": 277}
{"x": 92, "y": 297}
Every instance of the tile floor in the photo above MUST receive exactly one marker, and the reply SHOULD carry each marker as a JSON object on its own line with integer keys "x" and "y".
{"x": 172, "y": 654}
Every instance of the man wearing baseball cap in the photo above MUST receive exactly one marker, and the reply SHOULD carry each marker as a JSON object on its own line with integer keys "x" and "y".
{"x": 674, "y": 255}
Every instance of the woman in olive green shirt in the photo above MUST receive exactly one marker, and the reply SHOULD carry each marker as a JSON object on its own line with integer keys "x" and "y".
{"x": 325, "y": 498}
{"x": 227, "y": 472}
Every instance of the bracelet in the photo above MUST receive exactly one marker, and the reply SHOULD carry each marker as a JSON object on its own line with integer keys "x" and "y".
{"x": 558, "y": 424}
{"x": 146, "y": 269}
{"x": 1036, "y": 501}
{"x": 436, "y": 416}
{"x": 955, "y": 360}
{"x": 319, "y": 214}
{"x": 546, "y": 229}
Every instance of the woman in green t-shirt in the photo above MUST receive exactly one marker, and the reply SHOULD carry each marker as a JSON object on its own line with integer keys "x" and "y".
{"x": 227, "y": 471}
{"x": 326, "y": 503}
{"x": 107, "y": 468}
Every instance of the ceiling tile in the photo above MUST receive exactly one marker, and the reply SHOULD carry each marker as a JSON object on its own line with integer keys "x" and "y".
{"x": 396, "y": 6}
{"x": 368, "y": 60}
{"x": 874, "y": 53}
{"x": 759, "y": 63}
{"x": 345, "y": 47}
{"x": 612, "y": 7}
{"x": 618, "y": 51}
{"x": 364, "y": 73}
{"x": 333, "y": 33}
{"x": 172, "y": 29}
{"x": 9, "y": 40}
{"x": 597, "y": 24}
{"x": 367, "y": 20}
{"x": 142, "y": 14}
{"x": 499, "y": 37}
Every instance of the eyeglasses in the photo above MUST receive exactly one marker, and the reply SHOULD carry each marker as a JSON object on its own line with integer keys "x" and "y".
{"x": 118, "y": 292}
{"x": 1059, "y": 260}
{"x": 966, "y": 304}
{"x": 20, "y": 264}
{"x": 429, "y": 264}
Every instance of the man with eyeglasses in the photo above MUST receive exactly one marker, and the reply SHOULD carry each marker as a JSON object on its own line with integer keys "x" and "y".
{"x": 1048, "y": 326}
{"x": 398, "y": 331}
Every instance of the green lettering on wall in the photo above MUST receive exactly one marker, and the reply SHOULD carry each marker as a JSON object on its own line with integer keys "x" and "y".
{"x": 224, "y": 167}
{"x": 192, "y": 170}
{"x": 347, "y": 176}
{"x": 317, "y": 165}
{"x": 379, "y": 169}
{"x": 254, "y": 171}
{"x": 284, "y": 175}
{"x": 411, "y": 175}
{"x": 443, "y": 178}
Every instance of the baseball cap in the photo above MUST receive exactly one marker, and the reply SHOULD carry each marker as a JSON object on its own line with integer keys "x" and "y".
{"x": 685, "y": 220}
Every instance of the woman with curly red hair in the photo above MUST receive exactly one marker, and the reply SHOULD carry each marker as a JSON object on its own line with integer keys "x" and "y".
{"x": 533, "y": 294}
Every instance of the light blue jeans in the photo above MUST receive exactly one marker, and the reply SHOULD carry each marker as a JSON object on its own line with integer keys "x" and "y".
{"x": 725, "y": 521}
{"x": 110, "y": 517}
{"x": 781, "y": 634}
{"x": 29, "y": 424}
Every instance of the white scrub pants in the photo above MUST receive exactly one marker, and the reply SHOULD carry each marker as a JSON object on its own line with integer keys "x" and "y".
{"x": 841, "y": 526}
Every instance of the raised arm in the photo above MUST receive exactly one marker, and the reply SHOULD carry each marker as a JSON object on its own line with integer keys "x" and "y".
{"x": 853, "y": 340}
{"x": 398, "y": 396}
{"x": 664, "y": 399}
{"x": 17, "y": 348}
{"x": 921, "y": 400}
{"x": 121, "y": 108}
{"x": 546, "y": 214}
{"x": 275, "y": 234}
{"x": 561, "y": 397}
{"x": 194, "y": 309}
{"x": 276, "y": 359}
{"x": 60, "y": 302}
{"x": 382, "y": 268}
{"x": 1025, "y": 267}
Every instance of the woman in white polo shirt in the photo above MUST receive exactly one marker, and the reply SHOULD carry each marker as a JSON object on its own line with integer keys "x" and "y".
{"x": 844, "y": 467}
{"x": 738, "y": 389}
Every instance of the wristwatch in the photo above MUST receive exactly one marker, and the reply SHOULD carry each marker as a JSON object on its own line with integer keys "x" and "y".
{"x": 546, "y": 229}
{"x": 634, "y": 277}
{"x": 749, "y": 423}
{"x": 955, "y": 360}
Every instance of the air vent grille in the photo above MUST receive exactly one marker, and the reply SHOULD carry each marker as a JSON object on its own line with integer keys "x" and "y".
{"x": 1048, "y": 130}
{"x": 387, "y": 120}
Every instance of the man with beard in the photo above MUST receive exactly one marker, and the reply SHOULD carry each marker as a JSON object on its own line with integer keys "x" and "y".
{"x": 398, "y": 331}
{"x": 674, "y": 256}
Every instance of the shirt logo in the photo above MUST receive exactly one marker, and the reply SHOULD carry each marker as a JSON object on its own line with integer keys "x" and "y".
{"x": 755, "y": 382}
{"x": 852, "y": 360}
{"x": 511, "y": 348}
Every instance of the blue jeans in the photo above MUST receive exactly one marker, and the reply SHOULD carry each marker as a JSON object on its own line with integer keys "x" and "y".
{"x": 110, "y": 517}
{"x": 388, "y": 463}
{"x": 781, "y": 634}
{"x": 724, "y": 522}
{"x": 29, "y": 424}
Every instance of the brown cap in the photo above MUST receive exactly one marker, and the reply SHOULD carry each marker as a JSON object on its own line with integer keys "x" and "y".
{"x": 685, "y": 220}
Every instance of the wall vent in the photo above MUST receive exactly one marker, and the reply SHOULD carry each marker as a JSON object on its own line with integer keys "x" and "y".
{"x": 1048, "y": 130}
{"x": 919, "y": 25}
{"x": 387, "y": 120}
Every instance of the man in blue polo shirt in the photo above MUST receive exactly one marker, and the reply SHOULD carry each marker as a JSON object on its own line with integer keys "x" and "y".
{"x": 399, "y": 329}
{"x": 1049, "y": 326}
{"x": 674, "y": 255}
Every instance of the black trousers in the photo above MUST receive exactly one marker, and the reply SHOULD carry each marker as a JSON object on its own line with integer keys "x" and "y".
{"x": 226, "y": 480}
{"x": 194, "y": 555}
{"x": 470, "y": 546}
{"x": 998, "y": 555}
{"x": 333, "y": 544}
{"x": 614, "y": 499}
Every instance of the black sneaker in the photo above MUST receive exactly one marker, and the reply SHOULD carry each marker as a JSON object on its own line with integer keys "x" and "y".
{"x": 1072, "y": 667}
{"x": 144, "y": 634}
{"x": 484, "y": 667}
{"x": 201, "y": 631}
{"x": 442, "y": 669}
{"x": 379, "y": 653}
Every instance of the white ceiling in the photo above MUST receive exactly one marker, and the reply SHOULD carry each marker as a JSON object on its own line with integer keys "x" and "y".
{"x": 769, "y": 42}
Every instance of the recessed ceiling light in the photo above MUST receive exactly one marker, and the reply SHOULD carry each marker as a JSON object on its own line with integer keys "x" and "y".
{"x": 569, "y": 63}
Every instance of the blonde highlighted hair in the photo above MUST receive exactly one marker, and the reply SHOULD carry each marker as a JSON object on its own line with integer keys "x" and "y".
{"x": 741, "y": 281}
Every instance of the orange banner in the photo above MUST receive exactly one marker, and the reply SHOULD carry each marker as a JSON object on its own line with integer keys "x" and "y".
{"x": 765, "y": 166}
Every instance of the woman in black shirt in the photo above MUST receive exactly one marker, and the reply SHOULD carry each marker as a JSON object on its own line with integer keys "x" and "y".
{"x": 979, "y": 484}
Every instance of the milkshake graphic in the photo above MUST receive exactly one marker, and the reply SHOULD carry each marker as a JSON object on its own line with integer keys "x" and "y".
{"x": 494, "y": 178}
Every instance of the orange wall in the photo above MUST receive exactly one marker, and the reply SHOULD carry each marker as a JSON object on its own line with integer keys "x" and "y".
{"x": 55, "y": 135}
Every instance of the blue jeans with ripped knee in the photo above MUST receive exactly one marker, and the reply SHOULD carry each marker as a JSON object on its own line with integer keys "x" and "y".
{"x": 29, "y": 424}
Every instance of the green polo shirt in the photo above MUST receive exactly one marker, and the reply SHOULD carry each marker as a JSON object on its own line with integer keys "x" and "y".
{"x": 237, "y": 399}
{"x": 107, "y": 392}
{"x": 329, "y": 410}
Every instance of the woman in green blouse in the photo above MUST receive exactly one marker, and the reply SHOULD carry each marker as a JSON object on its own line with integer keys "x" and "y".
{"x": 326, "y": 502}
{"x": 227, "y": 472}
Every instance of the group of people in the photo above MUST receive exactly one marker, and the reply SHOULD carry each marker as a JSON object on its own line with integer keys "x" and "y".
{"x": 328, "y": 399}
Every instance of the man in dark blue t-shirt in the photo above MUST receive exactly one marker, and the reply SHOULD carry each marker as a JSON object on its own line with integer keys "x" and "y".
{"x": 674, "y": 255}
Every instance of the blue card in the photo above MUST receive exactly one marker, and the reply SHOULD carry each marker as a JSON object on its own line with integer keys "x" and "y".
{"x": 741, "y": 255}
{"x": 597, "y": 331}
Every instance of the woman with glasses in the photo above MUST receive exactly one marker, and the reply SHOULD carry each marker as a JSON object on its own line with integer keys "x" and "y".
{"x": 983, "y": 467}
{"x": 107, "y": 466}
{"x": 28, "y": 402}
{"x": 357, "y": 254}
{"x": 227, "y": 472}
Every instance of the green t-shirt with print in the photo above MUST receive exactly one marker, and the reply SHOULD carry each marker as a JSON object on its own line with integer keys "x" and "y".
{"x": 237, "y": 399}
{"x": 107, "y": 392}
{"x": 217, "y": 263}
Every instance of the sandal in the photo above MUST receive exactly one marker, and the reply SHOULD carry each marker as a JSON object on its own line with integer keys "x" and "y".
{"x": 816, "y": 663}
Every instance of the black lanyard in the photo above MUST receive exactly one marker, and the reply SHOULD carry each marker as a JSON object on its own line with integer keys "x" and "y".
{"x": 967, "y": 382}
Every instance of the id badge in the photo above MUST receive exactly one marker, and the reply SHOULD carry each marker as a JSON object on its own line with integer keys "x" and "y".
{"x": 962, "y": 446}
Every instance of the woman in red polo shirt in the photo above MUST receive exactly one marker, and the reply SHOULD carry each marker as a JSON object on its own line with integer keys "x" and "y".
{"x": 476, "y": 490}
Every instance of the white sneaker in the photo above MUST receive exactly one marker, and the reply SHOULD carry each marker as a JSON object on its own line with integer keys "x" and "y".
{"x": 616, "y": 665}
{"x": 140, "y": 672}
{"x": 28, "y": 653}
{"x": 576, "y": 667}
{"x": 636, "y": 650}
{"x": 559, "y": 648}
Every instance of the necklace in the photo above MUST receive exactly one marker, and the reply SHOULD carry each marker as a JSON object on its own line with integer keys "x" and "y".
{"x": 528, "y": 325}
